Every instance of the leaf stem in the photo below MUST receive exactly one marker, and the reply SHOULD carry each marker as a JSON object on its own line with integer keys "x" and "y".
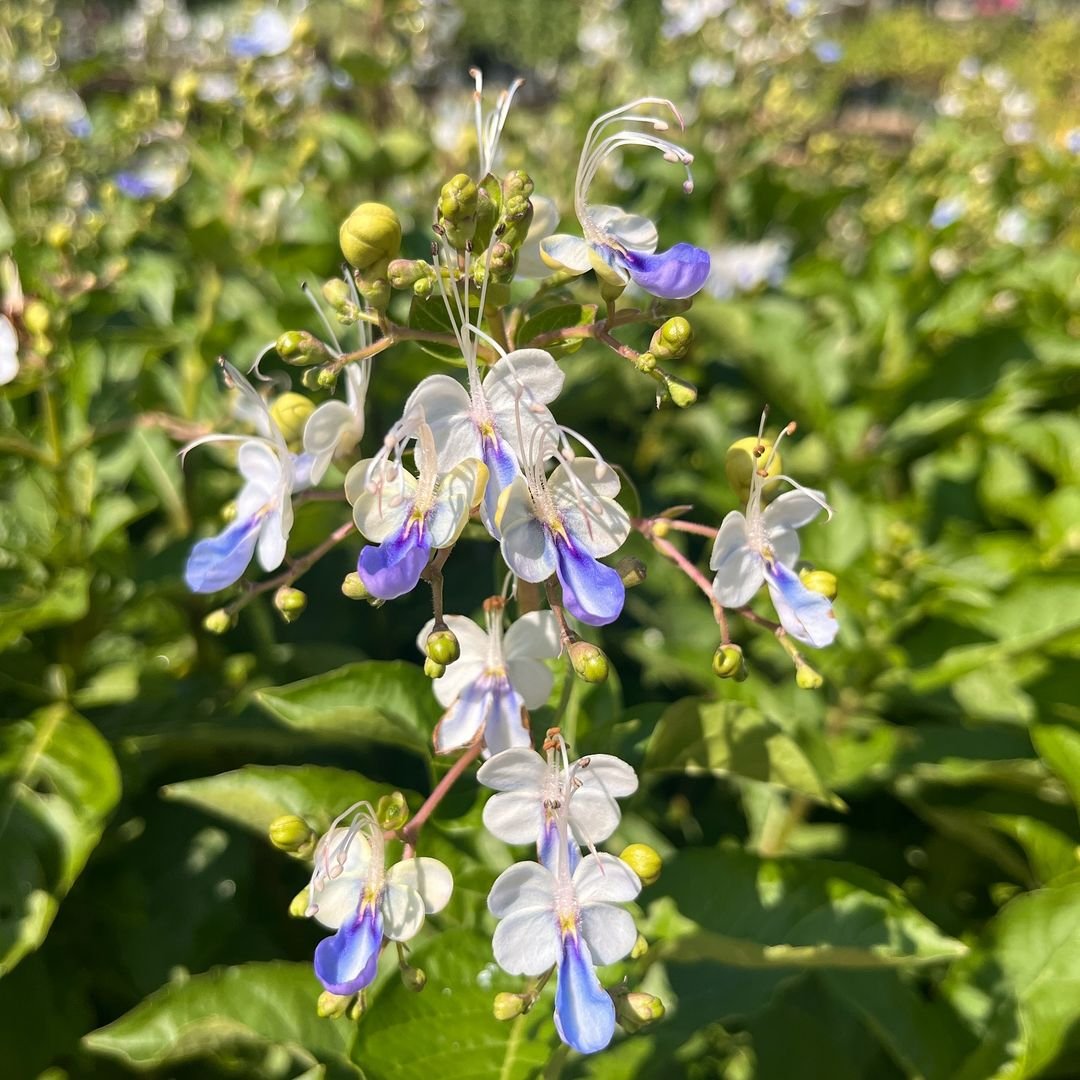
{"x": 453, "y": 774}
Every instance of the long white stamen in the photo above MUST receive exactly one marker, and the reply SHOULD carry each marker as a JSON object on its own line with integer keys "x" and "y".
{"x": 307, "y": 291}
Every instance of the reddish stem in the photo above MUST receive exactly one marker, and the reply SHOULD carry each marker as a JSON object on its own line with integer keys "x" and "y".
{"x": 453, "y": 774}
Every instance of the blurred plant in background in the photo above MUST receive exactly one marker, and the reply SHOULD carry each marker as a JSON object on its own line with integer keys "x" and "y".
{"x": 875, "y": 878}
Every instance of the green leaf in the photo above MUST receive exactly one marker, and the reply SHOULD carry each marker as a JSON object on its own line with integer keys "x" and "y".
{"x": 388, "y": 702}
{"x": 1059, "y": 746}
{"x": 726, "y": 738}
{"x": 430, "y": 315}
{"x": 753, "y": 912}
{"x": 559, "y": 317}
{"x": 268, "y": 1004}
{"x": 448, "y": 1031}
{"x": 64, "y": 599}
{"x": 255, "y": 795}
{"x": 60, "y": 783}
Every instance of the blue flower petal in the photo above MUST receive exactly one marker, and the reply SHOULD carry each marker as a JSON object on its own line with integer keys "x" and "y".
{"x": 502, "y": 468}
{"x": 807, "y": 616}
{"x": 347, "y": 961}
{"x": 674, "y": 274}
{"x": 584, "y": 1011}
{"x": 592, "y": 592}
{"x": 393, "y": 568}
{"x": 220, "y": 561}
{"x": 547, "y": 847}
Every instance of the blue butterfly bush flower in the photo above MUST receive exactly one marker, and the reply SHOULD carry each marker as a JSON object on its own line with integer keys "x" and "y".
{"x": 621, "y": 247}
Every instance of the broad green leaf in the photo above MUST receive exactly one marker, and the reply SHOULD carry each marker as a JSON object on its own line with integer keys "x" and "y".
{"x": 1059, "y": 746}
{"x": 753, "y": 912}
{"x": 448, "y": 1030}
{"x": 64, "y": 599}
{"x": 559, "y": 317}
{"x": 255, "y": 795}
{"x": 60, "y": 784}
{"x": 726, "y": 738}
{"x": 265, "y": 1004}
{"x": 429, "y": 314}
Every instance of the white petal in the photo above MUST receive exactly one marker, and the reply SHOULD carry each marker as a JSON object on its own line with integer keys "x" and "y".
{"x": 429, "y": 877}
{"x": 793, "y": 509}
{"x": 631, "y": 230}
{"x": 338, "y": 901}
{"x": 603, "y": 877}
{"x": 525, "y": 375}
{"x": 564, "y": 252}
{"x": 458, "y": 675}
{"x": 382, "y": 513}
{"x": 527, "y": 942}
{"x": 326, "y": 427}
{"x": 273, "y": 538}
{"x": 402, "y": 911}
{"x": 514, "y": 817}
{"x": 521, "y": 886}
{"x": 445, "y": 406}
{"x": 526, "y": 545}
{"x": 785, "y": 545}
{"x": 461, "y": 723}
{"x": 513, "y": 770}
{"x": 460, "y": 490}
{"x": 535, "y": 635}
{"x": 598, "y": 476}
{"x": 739, "y": 572}
{"x": 609, "y": 773}
{"x": 532, "y": 680}
{"x": 9, "y": 351}
{"x": 602, "y": 528}
{"x": 609, "y": 932}
{"x": 545, "y": 217}
{"x": 594, "y": 816}
{"x": 260, "y": 466}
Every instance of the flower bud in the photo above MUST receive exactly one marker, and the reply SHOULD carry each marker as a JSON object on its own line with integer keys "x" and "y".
{"x": 36, "y": 317}
{"x": 310, "y": 378}
{"x": 744, "y": 457}
{"x": 375, "y": 292}
{"x": 413, "y": 978}
{"x": 644, "y": 861}
{"x": 637, "y": 1009}
{"x": 819, "y": 581}
{"x": 458, "y": 203}
{"x": 333, "y": 1006}
{"x": 290, "y": 412}
{"x": 326, "y": 378}
{"x": 517, "y": 182}
{"x": 589, "y": 662}
{"x": 646, "y": 363}
{"x": 682, "y": 393}
{"x": 517, "y": 217}
{"x": 290, "y": 603}
{"x": 641, "y": 947}
{"x": 442, "y": 646}
{"x": 291, "y": 834}
{"x": 298, "y": 906}
{"x": 405, "y": 272}
{"x": 503, "y": 261}
{"x": 728, "y": 662}
{"x": 370, "y": 237}
{"x": 337, "y": 294}
{"x": 219, "y": 622}
{"x": 433, "y": 669}
{"x": 672, "y": 341}
{"x": 423, "y": 288}
{"x": 632, "y": 571}
{"x": 354, "y": 588}
{"x": 299, "y": 348}
{"x": 806, "y": 678}
{"x": 392, "y": 811}
{"x": 507, "y": 1006}
{"x": 356, "y": 1010}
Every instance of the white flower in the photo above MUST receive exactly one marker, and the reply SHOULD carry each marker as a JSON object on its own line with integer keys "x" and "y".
{"x": 9, "y": 351}
{"x": 530, "y": 263}
{"x": 335, "y": 427}
{"x": 268, "y": 34}
{"x": 762, "y": 547}
{"x": 498, "y": 677}
{"x": 352, "y": 892}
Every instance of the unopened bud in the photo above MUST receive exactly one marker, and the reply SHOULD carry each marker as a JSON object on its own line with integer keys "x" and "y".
{"x": 744, "y": 458}
{"x": 291, "y": 833}
{"x": 503, "y": 261}
{"x": 589, "y": 661}
{"x": 333, "y": 1006}
{"x": 506, "y": 1006}
{"x": 337, "y": 294}
{"x": 290, "y": 413}
{"x": 672, "y": 341}
{"x": 682, "y": 393}
{"x": 405, "y": 272}
{"x": 370, "y": 237}
{"x": 433, "y": 669}
{"x": 413, "y": 978}
{"x": 611, "y": 285}
{"x": 728, "y": 662}
{"x": 376, "y": 292}
{"x": 219, "y": 622}
{"x": 310, "y": 378}
{"x": 423, "y": 288}
{"x": 632, "y": 571}
{"x": 442, "y": 646}
{"x": 806, "y": 678}
{"x": 644, "y": 861}
{"x": 356, "y": 1010}
{"x": 392, "y": 811}
{"x": 290, "y": 603}
{"x": 354, "y": 588}
{"x": 298, "y": 906}
{"x": 299, "y": 348}
{"x": 637, "y": 1009}
{"x": 36, "y": 317}
{"x": 646, "y": 363}
{"x": 820, "y": 581}
{"x": 517, "y": 182}
{"x": 517, "y": 218}
{"x": 641, "y": 947}
{"x": 458, "y": 203}
{"x": 326, "y": 378}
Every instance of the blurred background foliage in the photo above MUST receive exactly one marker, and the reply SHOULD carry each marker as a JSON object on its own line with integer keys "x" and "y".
{"x": 878, "y": 879}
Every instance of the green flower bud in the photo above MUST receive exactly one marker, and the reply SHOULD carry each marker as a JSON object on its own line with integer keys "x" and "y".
{"x": 290, "y": 603}
{"x": 298, "y": 906}
{"x": 356, "y": 1010}
{"x": 517, "y": 182}
{"x": 820, "y": 581}
{"x": 405, "y": 272}
{"x": 644, "y": 861}
{"x": 354, "y": 588}
{"x": 743, "y": 458}
{"x": 632, "y": 571}
{"x": 292, "y": 834}
{"x": 641, "y": 947}
{"x": 442, "y": 646}
{"x": 672, "y": 341}
{"x": 310, "y": 378}
{"x": 370, "y": 237}
{"x": 507, "y": 1006}
{"x": 392, "y": 811}
{"x": 517, "y": 217}
{"x": 458, "y": 203}
{"x": 326, "y": 378}
{"x": 433, "y": 669}
{"x": 728, "y": 662}
{"x": 806, "y": 678}
{"x": 423, "y": 288}
{"x": 503, "y": 261}
{"x": 290, "y": 412}
{"x": 333, "y": 1006}
{"x": 682, "y": 393}
{"x": 337, "y": 294}
{"x": 637, "y": 1009}
{"x": 646, "y": 363}
{"x": 299, "y": 348}
{"x": 36, "y": 317}
{"x": 413, "y": 978}
{"x": 219, "y": 622}
{"x": 589, "y": 662}
{"x": 376, "y": 292}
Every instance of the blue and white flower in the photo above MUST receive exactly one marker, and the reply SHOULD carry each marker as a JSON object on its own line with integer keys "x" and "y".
{"x": 407, "y": 518}
{"x": 335, "y": 427}
{"x": 155, "y": 173}
{"x": 353, "y": 893}
{"x": 488, "y": 691}
{"x": 762, "y": 548}
{"x": 268, "y": 34}
{"x": 530, "y": 791}
{"x": 621, "y": 247}
{"x": 567, "y": 920}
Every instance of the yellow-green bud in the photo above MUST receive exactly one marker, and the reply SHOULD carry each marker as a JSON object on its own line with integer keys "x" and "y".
{"x": 356, "y": 1010}
{"x": 370, "y": 237}
{"x": 290, "y": 603}
{"x": 517, "y": 218}
{"x": 333, "y": 1006}
{"x": 326, "y": 378}
{"x": 728, "y": 662}
{"x": 310, "y": 378}
{"x": 682, "y": 393}
{"x": 819, "y": 581}
{"x": 299, "y": 348}
{"x": 376, "y": 292}
{"x": 423, "y": 288}
{"x": 413, "y": 978}
{"x": 458, "y": 203}
{"x": 433, "y": 669}
{"x": 506, "y": 1006}
{"x": 632, "y": 571}
{"x": 503, "y": 261}
{"x": 644, "y": 861}
{"x": 337, "y": 294}
{"x": 392, "y": 811}
{"x": 806, "y": 678}
{"x": 672, "y": 340}
{"x": 517, "y": 182}
{"x": 405, "y": 272}
{"x": 442, "y": 646}
{"x": 744, "y": 458}
{"x": 641, "y": 947}
{"x": 354, "y": 588}
{"x": 290, "y": 412}
{"x": 298, "y": 905}
{"x": 589, "y": 661}
{"x": 219, "y": 622}
{"x": 291, "y": 833}
{"x": 36, "y": 317}
{"x": 637, "y": 1009}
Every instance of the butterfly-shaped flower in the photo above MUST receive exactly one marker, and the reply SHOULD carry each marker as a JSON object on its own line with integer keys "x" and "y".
{"x": 621, "y": 247}
{"x": 335, "y": 427}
